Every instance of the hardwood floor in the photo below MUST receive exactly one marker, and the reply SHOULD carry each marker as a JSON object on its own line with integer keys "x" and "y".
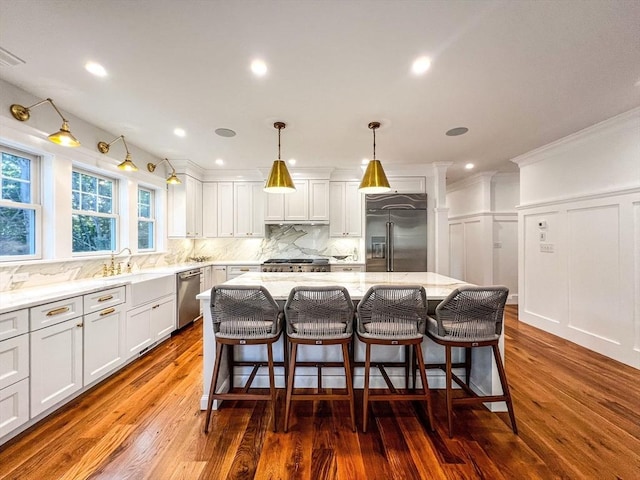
{"x": 578, "y": 415}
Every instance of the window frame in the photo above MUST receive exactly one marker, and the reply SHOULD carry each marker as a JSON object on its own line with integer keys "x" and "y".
{"x": 35, "y": 204}
{"x": 115, "y": 215}
{"x": 151, "y": 219}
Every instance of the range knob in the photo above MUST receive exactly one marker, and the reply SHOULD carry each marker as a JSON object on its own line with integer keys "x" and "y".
{"x": 264, "y": 269}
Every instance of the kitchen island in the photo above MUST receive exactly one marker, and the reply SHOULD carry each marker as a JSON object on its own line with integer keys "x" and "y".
{"x": 484, "y": 378}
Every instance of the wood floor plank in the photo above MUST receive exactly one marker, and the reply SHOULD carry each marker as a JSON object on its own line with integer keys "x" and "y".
{"x": 577, "y": 414}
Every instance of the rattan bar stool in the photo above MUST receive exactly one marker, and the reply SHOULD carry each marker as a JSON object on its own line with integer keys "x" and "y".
{"x": 244, "y": 315}
{"x": 471, "y": 317}
{"x": 393, "y": 315}
{"x": 319, "y": 316}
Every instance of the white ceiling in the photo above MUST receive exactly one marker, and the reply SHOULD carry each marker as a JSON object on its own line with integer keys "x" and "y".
{"x": 518, "y": 74}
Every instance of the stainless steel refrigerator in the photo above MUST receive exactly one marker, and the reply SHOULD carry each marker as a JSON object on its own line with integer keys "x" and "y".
{"x": 396, "y": 232}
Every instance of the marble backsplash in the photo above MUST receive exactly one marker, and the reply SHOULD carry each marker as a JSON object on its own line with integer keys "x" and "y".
{"x": 280, "y": 241}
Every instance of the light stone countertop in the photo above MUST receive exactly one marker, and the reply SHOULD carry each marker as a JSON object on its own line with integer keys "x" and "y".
{"x": 357, "y": 283}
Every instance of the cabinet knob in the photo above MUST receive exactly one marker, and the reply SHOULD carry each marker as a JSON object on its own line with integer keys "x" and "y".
{"x": 79, "y": 324}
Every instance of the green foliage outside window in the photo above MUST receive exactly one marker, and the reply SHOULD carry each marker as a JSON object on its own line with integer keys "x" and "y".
{"x": 17, "y": 223}
{"x": 92, "y": 232}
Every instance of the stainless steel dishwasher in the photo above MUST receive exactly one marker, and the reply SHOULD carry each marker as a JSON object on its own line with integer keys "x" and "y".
{"x": 188, "y": 287}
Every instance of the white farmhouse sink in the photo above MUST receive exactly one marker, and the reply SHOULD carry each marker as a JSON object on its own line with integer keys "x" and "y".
{"x": 146, "y": 287}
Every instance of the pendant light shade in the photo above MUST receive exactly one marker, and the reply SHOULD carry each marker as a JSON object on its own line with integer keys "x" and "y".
{"x": 374, "y": 179}
{"x": 127, "y": 165}
{"x": 61, "y": 137}
{"x": 279, "y": 180}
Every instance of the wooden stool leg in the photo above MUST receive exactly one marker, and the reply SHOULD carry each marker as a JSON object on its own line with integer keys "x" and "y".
{"x": 230, "y": 363}
{"x": 425, "y": 383}
{"x": 448, "y": 391}
{"x": 505, "y": 387}
{"x": 407, "y": 361}
{"x": 365, "y": 393}
{"x": 292, "y": 374}
{"x": 467, "y": 364}
{"x": 272, "y": 385}
{"x": 349, "y": 379}
{"x": 214, "y": 381}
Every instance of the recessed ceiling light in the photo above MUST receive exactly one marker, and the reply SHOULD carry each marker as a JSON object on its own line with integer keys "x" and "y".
{"x": 95, "y": 69}
{"x": 180, "y": 132}
{"x": 225, "y": 132}
{"x": 292, "y": 161}
{"x": 454, "y": 132}
{"x": 469, "y": 166}
{"x": 420, "y": 65}
{"x": 219, "y": 161}
{"x": 259, "y": 68}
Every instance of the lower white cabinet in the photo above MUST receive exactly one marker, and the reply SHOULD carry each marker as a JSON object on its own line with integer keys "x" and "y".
{"x": 148, "y": 323}
{"x": 56, "y": 364}
{"x": 347, "y": 268}
{"x": 14, "y": 406}
{"x": 104, "y": 342}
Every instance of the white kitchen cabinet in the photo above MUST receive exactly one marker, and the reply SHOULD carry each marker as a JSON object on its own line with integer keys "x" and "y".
{"x": 225, "y": 208}
{"x": 14, "y": 323}
{"x": 209, "y": 209}
{"x": 14, "y": 406}
{"x": 407, "y": 184}
{"x": 309, "y": 203}
{"x": 14, "y": 360}
{"x": 234, "y": 271}
{"x": 184, "y": 203}
{"x": 56, "y": 364}
{"x": 219, "y": 274}
{"x": 99, "y": 301}
{"x": 104, "y": 342}
{"x": 42, "y": 316}
{"x": 248, "y": 220}
{"x": 345, "y": 218}
{"x": 149, "y": 323}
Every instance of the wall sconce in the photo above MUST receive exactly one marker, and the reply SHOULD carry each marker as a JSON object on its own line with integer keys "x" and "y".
{"x": 374, "y": 179}
{"x": 173, "y": 179}
{"x": 62, "y": 137}
{"x": 127, "y": 165}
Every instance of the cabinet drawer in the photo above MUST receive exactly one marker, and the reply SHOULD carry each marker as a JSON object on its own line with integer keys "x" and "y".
{"x": 14, "y": 406}
{"x": 347, "y": 268}
{"x": 14, "y": 360}
{"x": 55, "y": 312}
{"x": 237, "y": 270}
{"x": 105, "y": 298}
{"x": 13, "y": 324}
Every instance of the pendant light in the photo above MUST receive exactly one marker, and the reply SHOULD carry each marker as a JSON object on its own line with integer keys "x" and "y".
{"x": 374, "y": 179}
{"x": 279, "y": 180}
{"x": 62, "y": 137}
{"x": 173, "y": 178}
{"x": 127, "y": 165}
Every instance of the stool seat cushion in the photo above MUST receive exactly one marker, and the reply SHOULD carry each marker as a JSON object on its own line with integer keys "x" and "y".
{"x": 396, "y": 329}
{"x": 462, "y": 331}
{"x": 319, "y": 330}
{"x": 246, "y": 329}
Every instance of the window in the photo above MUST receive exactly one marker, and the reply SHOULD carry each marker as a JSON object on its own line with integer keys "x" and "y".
{"x": 19, "y": 208}
{"x": 146, "y": 220}
{"x": 94, "y": 217}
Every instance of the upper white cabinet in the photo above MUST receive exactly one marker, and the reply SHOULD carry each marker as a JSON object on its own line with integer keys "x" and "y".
{"x": 225, "y": 209}
{"x": 209, "y": 209}
{"x": 184, "y": 202}
{"x": 346, "y": 210}
{"x": 408, "y": 184}
{"x": 309, "y": 203}
{"x": 248, "y": 220}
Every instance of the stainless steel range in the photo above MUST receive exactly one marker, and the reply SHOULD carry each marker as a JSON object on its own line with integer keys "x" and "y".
{"x": 296, "y": 265}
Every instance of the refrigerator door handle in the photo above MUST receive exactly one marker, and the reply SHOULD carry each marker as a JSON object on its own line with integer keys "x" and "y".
{"x": 389, "y": 244}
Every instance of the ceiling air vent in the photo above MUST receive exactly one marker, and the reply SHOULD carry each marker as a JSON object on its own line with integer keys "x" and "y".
{"x": 8, "y": 59}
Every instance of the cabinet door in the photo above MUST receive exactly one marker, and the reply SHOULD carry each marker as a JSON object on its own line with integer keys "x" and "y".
{"x": 249, "y": 209}
{"x": 163, "y": 318}
{"x": 219, "y": 275}
{"x": 225, "y": 209}
{"x": 56, "y": 364}
{"x": 296, "y": 204}
{"x": 14, "y": 406}
{"x": 193, "y": 212}
{"x": 14, "y": 360}
{"x": 14, "y": 323}
{"x": 274, "y": 207}
{"x": 184, "y": 204}
{"x": 319, "y": 200}
{"x": 104, "y": 342}
{"x": 353, "y": 210}
{"x": 138, "y": 330}
{"x": 408, "y": 184}
{"x": 209, "y": 210}
{"x": 337, "y": 209}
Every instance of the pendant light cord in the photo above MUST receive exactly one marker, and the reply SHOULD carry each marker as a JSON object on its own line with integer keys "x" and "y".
{"x": 374, "y": 143}
{"x": 279, "y": 130}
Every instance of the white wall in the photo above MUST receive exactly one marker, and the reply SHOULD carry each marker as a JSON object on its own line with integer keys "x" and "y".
{"x": 483, "y": 242}
{"x": 585, "y": 285}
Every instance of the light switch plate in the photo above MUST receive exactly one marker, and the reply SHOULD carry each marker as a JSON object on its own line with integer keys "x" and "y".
{"x": 547, "y": 247}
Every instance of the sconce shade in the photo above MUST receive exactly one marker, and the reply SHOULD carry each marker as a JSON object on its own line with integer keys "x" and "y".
{"x": 62, "y": 137}
{"x": 374, "y": 179}
{"x": 173, "y": 178}
{"x": 128, "y": 165}
{"x": 279, "y": 180}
